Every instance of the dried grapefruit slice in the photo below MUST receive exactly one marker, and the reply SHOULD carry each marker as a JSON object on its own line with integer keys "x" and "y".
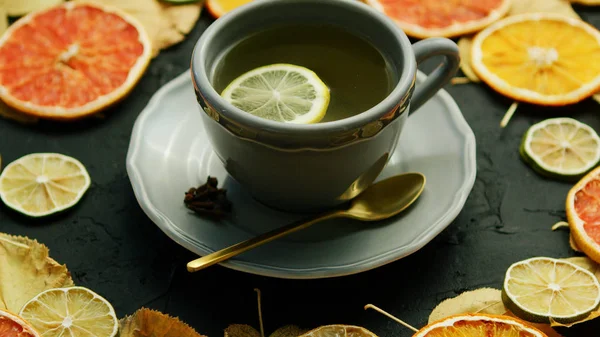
{"x": 583, "y": 214}
{"x": 14, "y": 326}
{"x": 430, "y": 18}
{"x": 71, "y": 60}
{"x": 539, "y": 58}
{"x": 478, "y": 325}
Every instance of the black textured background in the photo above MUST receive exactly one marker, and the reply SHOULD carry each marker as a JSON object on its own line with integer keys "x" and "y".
{"x": 111, "y": 247}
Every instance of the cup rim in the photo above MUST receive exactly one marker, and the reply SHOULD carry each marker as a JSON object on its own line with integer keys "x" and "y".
{"x": 405, "y": 81}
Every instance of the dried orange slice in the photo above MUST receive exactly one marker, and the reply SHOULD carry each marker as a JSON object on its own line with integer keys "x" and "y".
{"x": 430, "y": 18}
{"x": 218, "y": 8}
{"x": 71, "y": 60}
{"x": 583, "y": 214}
{"x": 478, "y": 325}
{"x": 539, "y": 58}
{"x": 14, "y": 326}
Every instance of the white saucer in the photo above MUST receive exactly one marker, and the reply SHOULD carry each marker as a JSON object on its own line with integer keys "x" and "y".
{"x": 169, "y": 153}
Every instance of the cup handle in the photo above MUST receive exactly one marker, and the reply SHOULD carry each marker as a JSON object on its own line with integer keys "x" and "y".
{"x": 425, "y": 49}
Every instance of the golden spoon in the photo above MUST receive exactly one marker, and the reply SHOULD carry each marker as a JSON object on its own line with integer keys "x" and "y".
{"x": 379, "y": 201}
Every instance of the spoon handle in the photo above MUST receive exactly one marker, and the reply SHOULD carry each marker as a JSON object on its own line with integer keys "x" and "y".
{"x": 231, "y": 251}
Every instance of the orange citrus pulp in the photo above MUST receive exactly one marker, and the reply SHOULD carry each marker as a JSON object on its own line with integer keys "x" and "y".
{"x": 71, "y": 60}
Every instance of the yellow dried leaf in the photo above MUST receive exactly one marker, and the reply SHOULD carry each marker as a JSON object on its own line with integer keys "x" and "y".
{"x": 544, "y": 6}
{"x": 22, "y": 7}
{"x": 184, "y": 16}
{"x": 483, "y": 300}
{"x": 164, "y": 24}
{"x": 151, "y": 323}
{"x": 586, "y": 263}
{"x": 288, "y": 331}
{"x": 26, "y": 270}
{"x": 464, "y": 49}
{"x": 545, "y": 328}
{"x": 3, "y": 20}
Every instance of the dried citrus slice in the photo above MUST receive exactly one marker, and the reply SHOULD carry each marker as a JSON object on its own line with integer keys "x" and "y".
{"x": 280, "y": 92}
{"x": 583, "y": 214}
{"x": 561, "y": 148}
{"x": 478, "y": 325}
{"x": 218, "y": 8}
{"x": 40, "y": 184}
{"x": 539, "y": 58}
{"x": 545, "y": 290}
{"x": 430, "y": 18}
{"x": 14, "y": 326}
{"x": 73, "y": 312}
{"x": 71, "y": 60}
{"x": 339, "y": 330}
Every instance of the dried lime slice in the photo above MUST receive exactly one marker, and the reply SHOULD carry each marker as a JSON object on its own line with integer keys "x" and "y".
{"x": 280, "y": 92}
{"x": 40, "y": 184}
{"x": 543, "y": 290}
{"x": 561, "y": 148}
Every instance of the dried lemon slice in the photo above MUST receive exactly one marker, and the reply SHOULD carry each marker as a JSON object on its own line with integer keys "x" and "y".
{"x": 74, "y": 312}
{"x": 40, "y": 184}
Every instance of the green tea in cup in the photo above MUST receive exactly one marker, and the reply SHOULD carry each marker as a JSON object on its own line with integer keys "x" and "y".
{"x": 357, "y": 75}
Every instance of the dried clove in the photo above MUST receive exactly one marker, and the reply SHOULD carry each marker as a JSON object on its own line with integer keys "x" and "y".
{"x": 208, "y": 199}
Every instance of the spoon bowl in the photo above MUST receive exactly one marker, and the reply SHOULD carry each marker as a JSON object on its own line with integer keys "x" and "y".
{"x": 379, "y": 201}
{"x": 387, "y": 198}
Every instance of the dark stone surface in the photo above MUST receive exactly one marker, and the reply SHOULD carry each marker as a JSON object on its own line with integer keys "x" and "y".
{"x": 111, "y": 247}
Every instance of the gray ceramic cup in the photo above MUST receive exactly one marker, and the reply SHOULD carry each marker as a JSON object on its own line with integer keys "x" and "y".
{"x": 311, "y": 167}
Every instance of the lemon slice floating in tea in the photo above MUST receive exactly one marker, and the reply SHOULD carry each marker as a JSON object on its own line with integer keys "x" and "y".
{"x": 40, "y": 184}
{"x": 543, "y": 289}
{"x": 73, "y": 312}
{"x": 561, "y": 148}
{"x": 280, "y": 92}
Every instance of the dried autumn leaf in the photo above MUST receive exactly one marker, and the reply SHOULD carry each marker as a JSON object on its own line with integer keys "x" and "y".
{"x": 545, "y": 328}
{"x": 22, "y": 7}
{"x": 483, "y": 300}
{"x": 3, "y": 20}
{"x": 165, "y": 24}
{"x": 183, "y": 16}
{"x": 543, "y": 6}
{"x": 586, "y": 263}
{"x": 151, "y": 323}
{"x": 241, "y": 330}
{"x": 26, "y": 270}
{"x": 564, "y": 224}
